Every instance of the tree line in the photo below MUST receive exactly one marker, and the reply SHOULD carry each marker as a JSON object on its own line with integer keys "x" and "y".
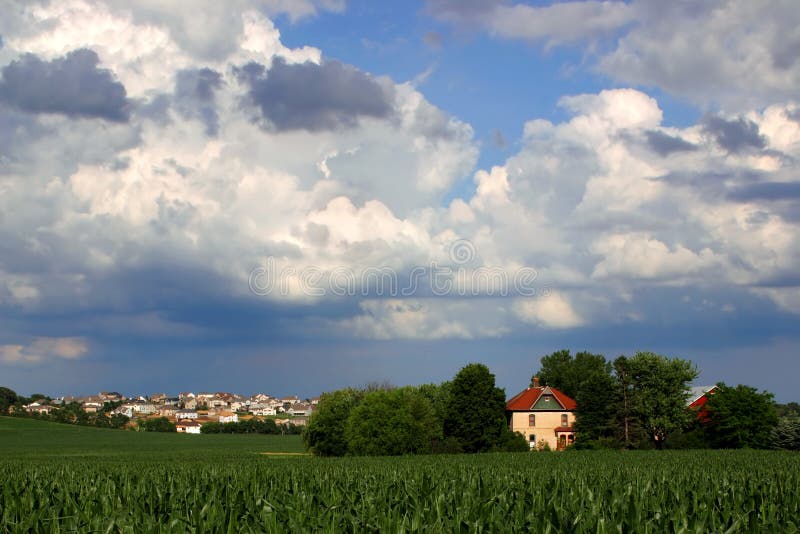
{"x": 70, "y": 413}
{"x": 250, "y": 426}
{"x": 640, "y": 402}
{"x": 466, "y": 414}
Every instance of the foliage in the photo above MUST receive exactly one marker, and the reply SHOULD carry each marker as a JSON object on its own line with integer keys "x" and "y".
{"x": 739, "y": 417}
{"x": 325, "y": 433}
{"x": 567, "y": 373}
{"x": 400, "y": 421}
{"x": 475, "y": 413}
{"x": 786, "y": 435}
{"x": 791, "y": 409}
{"x": 156, "y": 424}
{"x": 653, "y": 391}
{"x": 438, "y": 396}
{"x": 247, "y": 426}
{"x": 8, "y": 397}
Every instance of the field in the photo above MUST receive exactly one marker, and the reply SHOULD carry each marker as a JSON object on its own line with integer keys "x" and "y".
{"x": 65, "y": 479}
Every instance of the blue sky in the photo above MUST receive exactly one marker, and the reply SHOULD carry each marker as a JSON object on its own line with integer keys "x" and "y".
{"x": 638, "y": 162}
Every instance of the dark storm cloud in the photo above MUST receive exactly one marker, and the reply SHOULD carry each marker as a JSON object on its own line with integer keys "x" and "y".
{"x": 664, "y": 144}
{"x": 71, "y": 85}
{"x": 767, "y": 191}
{"x": 735, "y": 135}
{"x": 314, "y": 97}
{"x": 194, "y": 96}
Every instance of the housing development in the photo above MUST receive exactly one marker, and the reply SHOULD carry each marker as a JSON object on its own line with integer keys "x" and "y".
{"x": 188, "y": 411}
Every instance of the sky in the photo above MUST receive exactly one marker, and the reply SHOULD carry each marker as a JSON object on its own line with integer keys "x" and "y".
{"x": 293, "y": 196}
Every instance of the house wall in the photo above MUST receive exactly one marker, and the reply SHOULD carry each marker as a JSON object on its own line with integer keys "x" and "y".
{"x": 546, "y": 424}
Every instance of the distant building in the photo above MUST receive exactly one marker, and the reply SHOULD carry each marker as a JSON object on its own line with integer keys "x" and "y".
{"x": 186, "y": 414}
{"x": 188, "y": 427}
{"x": 262, "y": 409}
{"x": 37, "y": 407}
{"x": 228, "y": 417}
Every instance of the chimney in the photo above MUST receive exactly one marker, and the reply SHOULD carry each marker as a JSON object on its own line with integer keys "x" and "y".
{"x": 536, "y": 381}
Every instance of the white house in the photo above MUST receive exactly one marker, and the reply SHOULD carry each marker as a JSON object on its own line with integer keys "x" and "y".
{"x": 126, "y": 410}
{"x": 228, "y": 417}
{"x": 145, "y": 408}
{"x": 300, "y": 408}
{"x": 36, "y": 407}
{"x": 186, "y": 414}
{"x": 188, "y": 427}
{"x": 262, "y": 409}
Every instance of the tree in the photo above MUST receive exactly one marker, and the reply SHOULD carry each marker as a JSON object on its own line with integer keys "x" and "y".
{"x": 567, "y": 373}
{"x": 653, "y": 390}
{"x": 391, "y": 422}
{"x": 598, "y": 402}
{"x": 587, "y": 378}
{"x": 739, "y": 417}
{"x": 786, "y": 435}
{"x": 7, "y": 398}
{"x": 475, "y": 413}
{"x": 325, "y": 433}
{"x": 158, "y": 424}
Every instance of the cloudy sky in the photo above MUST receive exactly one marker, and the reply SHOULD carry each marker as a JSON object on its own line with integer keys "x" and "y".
{"x": 292, "y": 196}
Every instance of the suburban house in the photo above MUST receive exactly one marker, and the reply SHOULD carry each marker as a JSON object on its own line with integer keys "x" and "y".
{"x": 126, "y": 409}
{"x": 259, "y": 398}
{"x": 186, "y": 414}
{"x": 37, "y": 407}
{"x": 168, "y": 411}
{"x": 228, "y": 417}
{"x": 544, "y": 415}
{"x": 188, "y": 427}
{"x": 190, "y": 403}
{"x": 300, "y": 408}
{"x": 262, "y": 409}
{"x": 144, "y": 408}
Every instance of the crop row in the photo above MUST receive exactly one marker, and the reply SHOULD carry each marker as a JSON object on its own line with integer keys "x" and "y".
{"x": 698, "y": 491}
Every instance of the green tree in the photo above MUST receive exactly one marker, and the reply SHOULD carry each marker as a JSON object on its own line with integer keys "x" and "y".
{"x": 8, "y": 397}
{"x": 157, "y": 424}
{"x": 438, "y": 396}
{"x": 325, "y": 433}
{"x": 475, "y": 413}
{"x": 786, "y": 435}
{"x": 598, "y": 404}
{"x": 391, "y": 422}
{"x": 587, "y": 378}
{"x": 653, "y": 392}
{"x": 739, "y": 417}
{"x": 567, "y": 373}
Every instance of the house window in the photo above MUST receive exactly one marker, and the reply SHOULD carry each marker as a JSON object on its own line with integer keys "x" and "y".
{"x": 564, "y": 420}
{"x": 532, "y": 420}
{"x": 532, "y": 441}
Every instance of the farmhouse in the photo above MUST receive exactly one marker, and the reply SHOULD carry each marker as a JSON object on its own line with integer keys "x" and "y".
{"x": 544, "y": 415}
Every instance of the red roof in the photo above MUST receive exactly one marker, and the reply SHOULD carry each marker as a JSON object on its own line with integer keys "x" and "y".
{"x": 524, "y": 400}
{"x": 564, "y": 429}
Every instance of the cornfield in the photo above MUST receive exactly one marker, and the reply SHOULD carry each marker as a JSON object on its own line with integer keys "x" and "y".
{"x": 671, "y": 491}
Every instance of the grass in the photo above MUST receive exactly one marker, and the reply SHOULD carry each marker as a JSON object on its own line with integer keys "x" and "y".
{"x": 29, "y": 439}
